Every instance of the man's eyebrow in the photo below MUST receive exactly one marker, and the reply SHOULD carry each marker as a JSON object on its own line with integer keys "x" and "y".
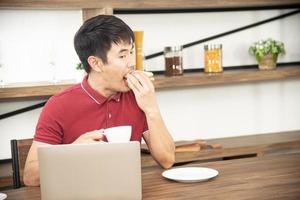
{"x": 124, "y": 50}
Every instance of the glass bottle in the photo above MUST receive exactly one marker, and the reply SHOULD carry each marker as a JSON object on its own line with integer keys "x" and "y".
{"x": 173, "y": 61}
{"x": 213, "y": 58}
{"x": 138, "y": 42}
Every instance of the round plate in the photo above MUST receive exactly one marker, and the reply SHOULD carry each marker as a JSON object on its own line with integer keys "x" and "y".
{"x": 190, "y": 174}
{"x": 2, "y": 196}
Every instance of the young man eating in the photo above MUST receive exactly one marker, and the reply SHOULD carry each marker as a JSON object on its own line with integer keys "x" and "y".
{"x": 112, "y": 94}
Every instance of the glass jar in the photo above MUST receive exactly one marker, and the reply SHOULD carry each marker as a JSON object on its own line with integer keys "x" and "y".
{"x": 173, "y": 61}
{"x": 213, "y": 58}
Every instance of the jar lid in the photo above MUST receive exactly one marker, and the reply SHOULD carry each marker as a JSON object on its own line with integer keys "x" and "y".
{"x": 212, "y": 46}
{"x": 173, "y": 48}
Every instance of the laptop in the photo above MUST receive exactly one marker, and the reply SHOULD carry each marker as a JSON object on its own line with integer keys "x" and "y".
{"x": 90, "y": 171}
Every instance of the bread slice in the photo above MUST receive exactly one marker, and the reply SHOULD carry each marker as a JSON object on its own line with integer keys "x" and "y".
{"x": 188, "y": 148}
{"x": 150, "y": 75}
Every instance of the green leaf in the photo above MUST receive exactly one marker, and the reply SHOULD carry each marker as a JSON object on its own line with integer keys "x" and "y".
{"x": 252, "y": 50}
{"x": 258, "y": 57}
{"x": 79, "y": 66}
{"x": 265, "y": 47}
{"x": 275, "y": 56}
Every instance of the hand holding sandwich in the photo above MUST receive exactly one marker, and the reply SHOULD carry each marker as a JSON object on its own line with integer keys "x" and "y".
{"x": 157, "y": 137}
{"x": 143, "y": 90}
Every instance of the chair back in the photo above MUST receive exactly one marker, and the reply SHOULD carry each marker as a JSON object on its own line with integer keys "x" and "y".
{"x": 19, "y": 151}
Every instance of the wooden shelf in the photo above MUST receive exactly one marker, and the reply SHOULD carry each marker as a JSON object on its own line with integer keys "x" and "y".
{"x": 93, "y": 7}
{"x": 229, "y": 76}
{"x": 144, "y": 4}
{"x": 34, "y": 89}
{"x": 44, "y": 89}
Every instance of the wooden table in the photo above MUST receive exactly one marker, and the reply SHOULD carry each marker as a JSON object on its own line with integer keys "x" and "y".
{"x": 265, "y": 177}
{"x": 240, "y": 146}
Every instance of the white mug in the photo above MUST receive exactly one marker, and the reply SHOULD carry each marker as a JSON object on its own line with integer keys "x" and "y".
{"x": 118, "y": 134}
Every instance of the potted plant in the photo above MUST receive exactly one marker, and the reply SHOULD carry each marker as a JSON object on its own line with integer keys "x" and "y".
{"x": 80, "y": 72}
{"x": 79, "y": 66}
{"x": 266, "y": 53}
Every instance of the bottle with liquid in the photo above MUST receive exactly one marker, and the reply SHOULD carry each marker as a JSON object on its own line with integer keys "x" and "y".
{"x": 173, "y": 61}
{"x": 213, "y": 58}
{"x": 138, "y": 36}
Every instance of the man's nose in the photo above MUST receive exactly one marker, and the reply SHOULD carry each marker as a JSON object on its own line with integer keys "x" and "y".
{"x": 131, "y": 62}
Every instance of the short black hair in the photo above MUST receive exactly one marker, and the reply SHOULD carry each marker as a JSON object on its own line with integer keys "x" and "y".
{"x": 97, "y": 34}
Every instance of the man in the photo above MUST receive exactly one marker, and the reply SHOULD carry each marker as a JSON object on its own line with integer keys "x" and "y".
{"x": 112, "y": 94}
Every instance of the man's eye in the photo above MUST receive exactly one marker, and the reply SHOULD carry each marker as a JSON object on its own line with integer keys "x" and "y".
{"x": 131, "y": 52}
{"x": 122, "y": 56}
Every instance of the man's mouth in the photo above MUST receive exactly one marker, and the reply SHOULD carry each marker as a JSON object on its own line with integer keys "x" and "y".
{"x": 125, "y": 77}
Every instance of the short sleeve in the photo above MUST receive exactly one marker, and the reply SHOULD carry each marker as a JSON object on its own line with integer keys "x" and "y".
{"x": 48, "y": 128}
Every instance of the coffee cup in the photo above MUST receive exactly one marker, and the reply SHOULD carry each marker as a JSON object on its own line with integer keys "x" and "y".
{"x": 118, "y": 134}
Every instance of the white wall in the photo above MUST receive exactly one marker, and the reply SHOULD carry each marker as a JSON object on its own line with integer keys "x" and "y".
{"x": 231, "y": 110}
{"x": 176, "y": 29}
{"x": 31, "y": 39}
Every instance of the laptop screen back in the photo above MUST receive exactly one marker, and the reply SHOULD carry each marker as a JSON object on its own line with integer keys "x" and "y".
{"x": 90, "y": 171}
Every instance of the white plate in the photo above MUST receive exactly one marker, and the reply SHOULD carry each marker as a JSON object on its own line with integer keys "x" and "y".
{"x": 2, "y": 196}
{"x": 190, "y": 174}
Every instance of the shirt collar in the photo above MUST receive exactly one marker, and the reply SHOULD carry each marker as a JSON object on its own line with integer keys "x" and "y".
{"x": 116, "y": 97}
{"x": 94, "y": 95}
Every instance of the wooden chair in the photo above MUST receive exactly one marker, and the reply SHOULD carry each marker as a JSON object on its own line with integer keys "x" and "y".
{"x": 19, "y": 151}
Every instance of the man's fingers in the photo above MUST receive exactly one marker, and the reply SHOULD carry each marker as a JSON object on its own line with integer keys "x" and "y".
{"x": 95, "y": 135}
{"x": 147, "y": 80}
{"x": 131, "y": 85}
{"x": 144, "y": 80}
{"x": 134, "y": 83}
{"x": 148, "y": 74}
{"x": 92, "y": 136}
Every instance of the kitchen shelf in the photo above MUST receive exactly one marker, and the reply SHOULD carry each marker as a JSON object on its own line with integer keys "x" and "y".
{"x": 232, "y": 76}
{"x": 227, "y": 77}
{"x": 93, "y": 7}
{"x": 144, "y": 4}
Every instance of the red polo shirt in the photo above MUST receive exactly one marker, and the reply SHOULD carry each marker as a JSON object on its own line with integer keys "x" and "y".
{"x": 80, "y": 109}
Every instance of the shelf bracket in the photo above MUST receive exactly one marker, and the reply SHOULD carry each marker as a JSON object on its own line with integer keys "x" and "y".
{"x": 88, "y": 13}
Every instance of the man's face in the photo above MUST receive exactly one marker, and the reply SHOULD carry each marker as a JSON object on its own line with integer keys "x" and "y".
{"x": 120, "y": 62}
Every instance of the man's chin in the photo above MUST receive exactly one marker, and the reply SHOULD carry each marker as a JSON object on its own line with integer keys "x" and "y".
{"x": 125, "y": 88}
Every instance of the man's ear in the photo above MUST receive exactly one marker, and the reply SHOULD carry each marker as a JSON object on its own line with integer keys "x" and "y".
{"x": 95, "y": 63}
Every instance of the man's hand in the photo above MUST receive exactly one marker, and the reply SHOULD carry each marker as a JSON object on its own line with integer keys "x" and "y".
{"x": 90, "y": 137}
{"x": 150, "y": 75}
{"x": 157, "y": 138}
{"x": 143, "y": 90}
